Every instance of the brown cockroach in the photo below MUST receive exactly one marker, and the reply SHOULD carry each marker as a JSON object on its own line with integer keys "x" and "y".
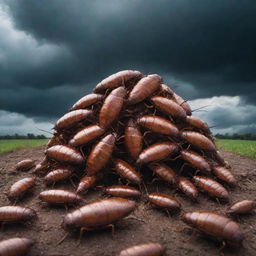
{"x": 242, "y": 207}
{"x": 166, "y": 89}
{"x": 187, "y": 187}
{"x": 146, "y": 249}
{"x": 169, "y": 107}
{"x": 196, "y": 122}
{"x": 16, "y": 246}
{"x": 72, "y": 118}
{"x": 219, "y": 158}
{"x": 195, "y": 160}
{"x": 59, "y": 196}
{"x": 86, "y": 135}
{"x": 198, "y": 140}
{"x": 163, "y": 171}
{"x": 100, "y": 154}
{"x": 215, "y": 225}
{"x": 112, "y": 106}
{"x": 133, "y": 139}
{"x": 58, "y": 175}
{"x": 87, "y": 101}
{"x": 224, "y": 174}
{"x": 20, "y": 187}
{"x": 56, "y": 139}
{"x": 85, "y": 183}
{"x": 118, "y": 79}
{"x": 144, "y": 88}
{"x": 158, "y": 124}
{"x": 42, "y": 167}
{"x": 25, "y": 165}
{"x": 64, "y": 154}
{"x": 127, "y": 172}
{"x": 16, "y": 214}
{"x": 157, "y": 151}
{"x": 99, "y": 214}
{"x": 212, "y": 187}
{"x": 164, "y": 201}
{"x": 122, "y": 191}
{"x": 182, "y": 103}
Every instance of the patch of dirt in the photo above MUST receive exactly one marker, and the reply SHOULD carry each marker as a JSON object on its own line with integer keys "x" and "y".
{"x": 157, "y": 226}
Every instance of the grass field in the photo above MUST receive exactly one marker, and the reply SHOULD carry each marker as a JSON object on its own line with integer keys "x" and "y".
{"x": 10, "y": 145}
{"x": 241, "y": 147}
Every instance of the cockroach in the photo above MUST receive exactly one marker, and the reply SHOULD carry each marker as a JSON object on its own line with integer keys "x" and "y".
{"x": 16, "y": 246}
{"x": 144, "y": 88}
{"x": 187, "y": 187}
{"x": 85, "y": 183}
{"x": 198, "y": 140}
{"x": 133, "y": 139}
{"x": 42, "y": 167}
{"x": 219, "y": 158}
{"x": 25, "y": 165}
{"x": 127, "y": 172}
{"x": 147, "y": 249}
{"x": 164, "y": 201}
{"x": 87, "y": 101}
{"x": 158, "y": 124}
{"x": 215, "y": 225}
{"x": 111, "y": 107}
{"x": 182, "y": 103}
{"x": 157, "y": 151}
{"x": 99, "y": 214}
{"x": 224, "y": 174}
{"x": 72, "y": 118}
{"x": 64, "y": 154}
{"x": 20, "y": 187}
{"x": 56, "y": 139}
{"x": 86, "y": 135}
{"x": 100, "y": 154}
{"x": 212, "y": 187}
{"x": 195, "y": 160}
{"x": 122, "y": 191}
{"x": 196, "y": 122}
{"x": 163, "y": 171}
{"x": 115, "y": 80}
{"x": 16, "y": 214}
{"x": 59, "y": 196}
{"x": 166, "y": 89}
{"x": 242, "y": 207}
{"x": 58, "y": 175}
{"x": 169, "y": 106}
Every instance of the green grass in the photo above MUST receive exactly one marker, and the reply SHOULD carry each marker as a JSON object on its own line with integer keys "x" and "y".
{"x": 10, "y": 145}
{"x": 241, "y": 147}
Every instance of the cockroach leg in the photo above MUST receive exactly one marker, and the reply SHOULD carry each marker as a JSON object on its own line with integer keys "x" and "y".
{"x": 62, "y": 239}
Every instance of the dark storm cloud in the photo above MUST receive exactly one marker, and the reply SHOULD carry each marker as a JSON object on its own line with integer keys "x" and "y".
{"x": 206, "y": 47}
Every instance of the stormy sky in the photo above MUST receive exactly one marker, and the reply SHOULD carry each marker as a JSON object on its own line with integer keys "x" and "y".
{"x": 53, "y": 52}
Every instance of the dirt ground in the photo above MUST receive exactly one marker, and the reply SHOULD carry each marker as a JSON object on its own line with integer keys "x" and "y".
{"x": 157, "y": 226}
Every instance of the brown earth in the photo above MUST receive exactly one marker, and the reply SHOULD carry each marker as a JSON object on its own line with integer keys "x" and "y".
{"x": 157, "y": 226}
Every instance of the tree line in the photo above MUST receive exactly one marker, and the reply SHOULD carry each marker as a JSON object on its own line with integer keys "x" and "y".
{"x": 236, "y": 136}
{"x": 29, "y": 136}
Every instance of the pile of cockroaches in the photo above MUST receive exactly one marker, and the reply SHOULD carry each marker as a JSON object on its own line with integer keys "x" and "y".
{"x": 132, "y": 129}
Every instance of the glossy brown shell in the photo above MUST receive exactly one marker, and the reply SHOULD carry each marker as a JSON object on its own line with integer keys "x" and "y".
{"x": 100, "y": 154}
{"x": 156, "y": 152}
{"x": 20, "y": 187}
{"x": 224, "y": 174}
{"x": 164, "y": 201}
{"x": 158, "y": 124}
{"x": 99, "y": 213}
{"x": 182, "y": 103}
{"x": 59, "y": 196}
{"x": 87, "y": 101}
{"x": 111, "y": 107}
{"x": 127, "y": 172}
{"x": 25, "y": 165}
{"x": 187, "y": 187}
{"x": 15, "y": 246}
{"x": 198, "y": 123}
{"x": 16, "y": 214}
{"x": 195, "y": 160}
{"x": 122, "y": 191}
{"x": 64, "y": 154}
{"x": 144, "y": 88}
{"x": 215, "y": 225}
{"x": 58, "y": 175}
{"x": 146, "y": 249}
{"x": 212, "y": 187}
{"x": 242, "y": 207}
{"x": 133, "y": 139}
{"x": 86, "y": 135}
{"x": 85, "y": 183}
